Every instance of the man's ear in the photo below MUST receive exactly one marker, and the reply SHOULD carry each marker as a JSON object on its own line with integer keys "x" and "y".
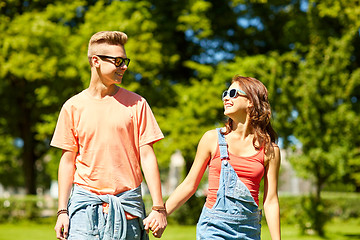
{"x": 95, "y": 60}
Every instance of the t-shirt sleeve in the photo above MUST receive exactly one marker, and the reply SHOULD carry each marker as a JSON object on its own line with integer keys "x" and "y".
{"x": 149, "y": 130}
{"x": 65, "y": 134}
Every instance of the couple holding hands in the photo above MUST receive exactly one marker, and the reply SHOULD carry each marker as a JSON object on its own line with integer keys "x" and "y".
{"x": 107, "y": 133}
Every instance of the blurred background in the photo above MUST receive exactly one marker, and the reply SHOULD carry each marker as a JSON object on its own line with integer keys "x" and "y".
{"x": 183, "y": 55}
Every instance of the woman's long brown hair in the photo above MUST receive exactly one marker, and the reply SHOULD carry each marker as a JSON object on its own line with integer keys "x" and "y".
{"x": 260, "y": 112}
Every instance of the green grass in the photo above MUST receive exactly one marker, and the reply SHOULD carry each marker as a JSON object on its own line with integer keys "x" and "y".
{"x": 176, "y": 232}
{"x": 27, "y": 230}
{"x": 35, "y": 231}
{"x": 334, "y": 231}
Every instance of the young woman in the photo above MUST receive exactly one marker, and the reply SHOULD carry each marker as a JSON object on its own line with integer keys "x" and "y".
{"x": 238, "y": 156}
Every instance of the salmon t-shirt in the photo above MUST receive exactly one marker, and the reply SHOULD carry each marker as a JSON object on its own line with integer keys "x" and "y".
{"x": 107, "y": 135}
{"x": 250, "y": 170}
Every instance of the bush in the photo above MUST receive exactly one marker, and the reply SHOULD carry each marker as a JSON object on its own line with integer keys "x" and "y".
{"x": 294, "y": 210}
{"x": 311, "y": 217}
{"x": 344, "y": 206}
{"x": 187, "y": 214}
{"x": 14, "y": 209}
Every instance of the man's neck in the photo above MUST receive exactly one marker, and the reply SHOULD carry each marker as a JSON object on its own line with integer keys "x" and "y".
{"x": 101, "y": 91}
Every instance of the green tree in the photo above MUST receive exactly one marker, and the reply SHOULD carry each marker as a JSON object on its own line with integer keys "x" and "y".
{"x": 326, "y": 101}
{"x": 313, "y": 90}
{"x": 35, "y": 77}
{"x": 326, "y": 123}
{"x": 184, "y": 54}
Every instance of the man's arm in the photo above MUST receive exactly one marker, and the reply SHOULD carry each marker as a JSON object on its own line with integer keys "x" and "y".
{"x": 65, "y": 181}
{"x": 152, "y": 176}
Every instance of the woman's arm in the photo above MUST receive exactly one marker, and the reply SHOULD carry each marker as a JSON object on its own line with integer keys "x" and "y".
{"x": 271, "y": 200}
{"x": 188, "y": 187}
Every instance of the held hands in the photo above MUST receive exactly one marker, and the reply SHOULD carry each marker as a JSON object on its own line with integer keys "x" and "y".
{"x": 156, "y": 221}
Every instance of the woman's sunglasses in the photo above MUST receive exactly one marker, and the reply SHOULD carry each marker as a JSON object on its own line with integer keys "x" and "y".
{"x": 232, "y": 93}
{"x": 119, "y": 61}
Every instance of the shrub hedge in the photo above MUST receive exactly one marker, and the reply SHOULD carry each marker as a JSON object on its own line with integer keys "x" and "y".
{"x": 13, "y": 209}
{"x": 343, "y": 206}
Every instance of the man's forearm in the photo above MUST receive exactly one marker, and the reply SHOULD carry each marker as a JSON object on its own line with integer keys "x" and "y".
{"x": 65, "y": 178}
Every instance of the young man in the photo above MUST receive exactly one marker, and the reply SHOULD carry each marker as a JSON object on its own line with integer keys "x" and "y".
{"x": 106, "y": 134}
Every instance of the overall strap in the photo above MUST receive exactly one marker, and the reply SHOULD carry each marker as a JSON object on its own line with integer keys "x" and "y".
{"x": 222, "y": 145}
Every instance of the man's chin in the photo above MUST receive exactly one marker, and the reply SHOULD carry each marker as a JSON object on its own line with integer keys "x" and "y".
{"x": 118, "y": 80}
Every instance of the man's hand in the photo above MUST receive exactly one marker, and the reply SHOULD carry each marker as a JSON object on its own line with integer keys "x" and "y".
{"x": 62, "y": 227}
{"x": 156, "y": 222}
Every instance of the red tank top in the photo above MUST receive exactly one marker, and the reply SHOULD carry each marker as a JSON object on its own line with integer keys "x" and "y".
{"x": 250, "y": 170}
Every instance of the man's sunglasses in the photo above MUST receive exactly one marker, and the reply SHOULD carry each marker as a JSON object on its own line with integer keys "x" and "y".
{"x": 119, "y": 61}
{"x": 232, "y": 93}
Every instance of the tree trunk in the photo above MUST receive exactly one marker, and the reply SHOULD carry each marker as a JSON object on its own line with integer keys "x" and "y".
{"x": 29, "y": 168}
{"x": 29, "y": 158}
{"x": 28, "y": 155}
{"x": 319, "y": 217}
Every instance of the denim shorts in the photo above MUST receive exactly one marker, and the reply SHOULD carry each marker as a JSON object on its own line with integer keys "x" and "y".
{"x": 82, "y": 229}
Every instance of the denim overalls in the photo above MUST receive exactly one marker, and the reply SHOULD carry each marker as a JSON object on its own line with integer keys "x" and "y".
{"x": 89, "y": 222}
{"x": 235, "y": 214}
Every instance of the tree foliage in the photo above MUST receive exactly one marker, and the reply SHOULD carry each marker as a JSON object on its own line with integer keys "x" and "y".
{"x": 183, "y": 55}
{"x": 35, "y": 76}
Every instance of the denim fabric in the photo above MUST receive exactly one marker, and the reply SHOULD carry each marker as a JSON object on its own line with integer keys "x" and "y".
{"x": 83, "y": 230}
{"x": 235, "y": 214}
{"x": 87, "y": 220}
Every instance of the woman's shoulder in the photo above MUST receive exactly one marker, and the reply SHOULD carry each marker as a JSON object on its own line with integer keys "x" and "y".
{"x": 276, "y": 149}
{"x": 273, "y": 153}
{"x": 275, "y": 146}
{"x": 209, "y": 139}
{"x": 208, "y": 142}
{"x": 210, "y": 135}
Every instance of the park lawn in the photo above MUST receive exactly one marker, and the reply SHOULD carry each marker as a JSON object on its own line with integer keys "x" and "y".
{"x": 35, "y": 231}
{"x": 27, "y": 230}
{"x": 335, "y": 230}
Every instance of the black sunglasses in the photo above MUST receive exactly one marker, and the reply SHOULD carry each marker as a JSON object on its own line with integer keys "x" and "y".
{"x": 119, "y": 61}
{"x": 232, "y": 93}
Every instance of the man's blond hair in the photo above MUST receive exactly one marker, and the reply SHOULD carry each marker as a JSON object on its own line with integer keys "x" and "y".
{"x": 107, "y": 37}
